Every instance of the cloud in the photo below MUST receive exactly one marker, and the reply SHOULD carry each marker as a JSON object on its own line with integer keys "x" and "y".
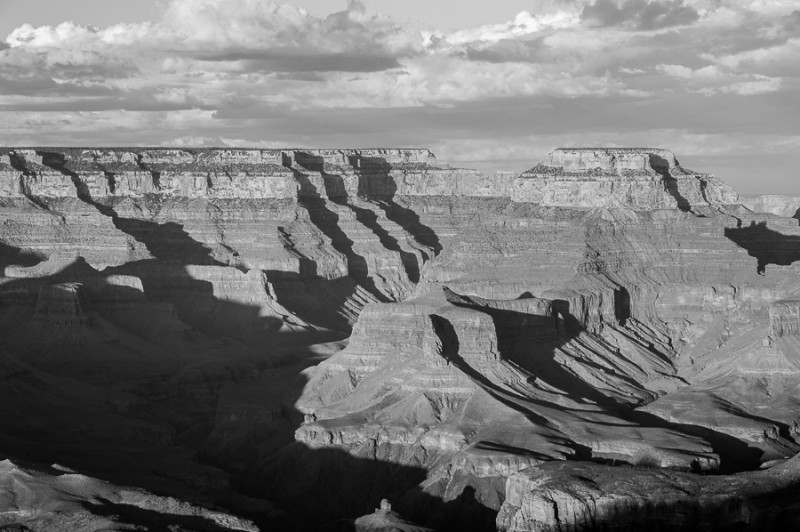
{"x": 215, "y": 25}
{"x": 639, "y": 14}
{"x": 775, "y": 59}
{"x": 281, "y": 60}
{"x": 524, "y": 24}
{"x": 241, "y": 54}
{"x": 759, "y": 86}
{"x": 712, "y": 79}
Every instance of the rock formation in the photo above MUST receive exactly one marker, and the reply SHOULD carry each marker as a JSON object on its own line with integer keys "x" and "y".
{"x": 58, "y": 499}
{"x": 383, "y": 519}
{"x": 582, "y": 496}
{"x": 641, "y": 179}
{"x": 324, "y": 329}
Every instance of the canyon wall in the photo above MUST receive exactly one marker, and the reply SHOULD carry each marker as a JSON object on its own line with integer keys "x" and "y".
{"x": 436, "y": 335}
{"x": 636, "y": 178}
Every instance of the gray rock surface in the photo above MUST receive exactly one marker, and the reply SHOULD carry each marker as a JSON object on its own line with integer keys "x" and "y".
{"x": 198, "y": 323}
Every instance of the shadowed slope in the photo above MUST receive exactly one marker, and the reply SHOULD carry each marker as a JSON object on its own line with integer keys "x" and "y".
{"x": 766, "y": 245}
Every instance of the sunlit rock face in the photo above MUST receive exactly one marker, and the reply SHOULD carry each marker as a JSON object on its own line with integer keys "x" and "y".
{"x": 458, "y": 343}
{"x": 636, "y": 178}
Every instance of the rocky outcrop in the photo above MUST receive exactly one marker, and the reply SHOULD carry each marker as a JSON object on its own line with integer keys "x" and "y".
{"x": 581, "y": 496}
{"x": 42, "y": 497}
{"x": 235, "y": 173}
{"x": 635, "y": 178}
{"x": 383, "y": 519}
{"x": 784, "y": 317}
{"x": 465, "y": 358}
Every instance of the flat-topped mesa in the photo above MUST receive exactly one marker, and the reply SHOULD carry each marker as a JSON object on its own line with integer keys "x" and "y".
{"x": 357, "y": 158}
{"x": 611, "y": 161}
{"x": 236, "y": 173}
{"x": 132, "y": 172}
{"x": 635, "y": 178}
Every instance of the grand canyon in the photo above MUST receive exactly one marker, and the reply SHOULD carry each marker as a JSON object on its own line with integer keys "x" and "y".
{"x": 372, "y": 339}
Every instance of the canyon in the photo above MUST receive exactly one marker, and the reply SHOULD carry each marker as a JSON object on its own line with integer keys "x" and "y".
{"x": 371, "y": 339}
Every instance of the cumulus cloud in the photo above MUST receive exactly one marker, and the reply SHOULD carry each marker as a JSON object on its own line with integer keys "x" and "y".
{"x": 250, "y": 53}
{"x": 239, "y": 53}
{"x": 523, "y": 25}
{"x": 215, "y": 25}
{"x": 639, "y": 14}
{"x": 712, "y": 79}
{"x": 774, "y": 59}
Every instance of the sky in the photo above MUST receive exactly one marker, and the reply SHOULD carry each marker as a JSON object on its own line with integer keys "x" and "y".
{"x": 491, "y": 85}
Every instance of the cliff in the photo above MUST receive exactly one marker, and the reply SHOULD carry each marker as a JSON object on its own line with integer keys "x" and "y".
{"x": 636, "y": 178}
{"x": 581, "y": 496}
{"x": 234, "y": 173}
{"x": 407, "y": 330}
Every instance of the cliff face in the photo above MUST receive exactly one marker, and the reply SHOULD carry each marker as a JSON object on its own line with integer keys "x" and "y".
{"x": 607, "y": 306}
{"x": 580, "y": 496}
{"x": 247, "y": 174}
{"x": 636, "y": 178}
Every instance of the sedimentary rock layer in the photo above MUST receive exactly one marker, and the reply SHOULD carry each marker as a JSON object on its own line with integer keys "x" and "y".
{"x": 637, "y": 178}
{"x": 581, "y": 496}
{"x": 606, "y": 306}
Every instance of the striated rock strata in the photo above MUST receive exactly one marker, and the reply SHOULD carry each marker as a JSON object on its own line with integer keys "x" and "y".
{"x": 637, "y": 178}
{"x": 581, "y": 496}
{"x": 202, "y": 321}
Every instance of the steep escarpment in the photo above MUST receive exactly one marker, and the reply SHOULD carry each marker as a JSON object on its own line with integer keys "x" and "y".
{"x": 580, "y": 496}
{"x": 319, "y": 224}
{"x": 276, "y": 322}
{"x": 637, "y": 178}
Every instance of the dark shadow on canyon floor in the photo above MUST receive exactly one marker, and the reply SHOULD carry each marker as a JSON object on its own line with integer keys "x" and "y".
{"x": 766, "y": 245}
{"x": 117, "y": 444}
{"x": 14, "y": 256}
{"x": 154, "y": 521}
{"x": 316, "y": 489}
